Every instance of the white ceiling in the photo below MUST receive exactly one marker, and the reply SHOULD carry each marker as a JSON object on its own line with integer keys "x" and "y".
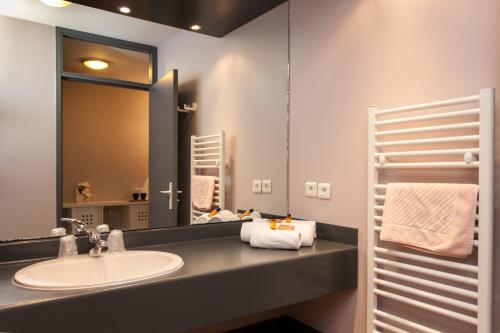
{"x": 89, "y": 19}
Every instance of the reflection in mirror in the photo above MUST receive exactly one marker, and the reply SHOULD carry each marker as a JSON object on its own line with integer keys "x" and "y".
{"x": 239, "y": 85}
{"x": 164, "y": 129}
{"x": 94, "y": 59}
{"x": 105, "y": 154}
{"x": 105, "y": 129}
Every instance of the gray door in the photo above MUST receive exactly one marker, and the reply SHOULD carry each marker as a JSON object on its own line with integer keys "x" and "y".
{"x": 163, "y": 152}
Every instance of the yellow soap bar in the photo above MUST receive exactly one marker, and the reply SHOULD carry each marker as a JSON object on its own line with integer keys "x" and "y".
{"x": 286, "y": 227}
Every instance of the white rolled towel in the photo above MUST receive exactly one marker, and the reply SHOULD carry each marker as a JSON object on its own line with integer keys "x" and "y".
{"x": 201, "y": 219}
{"x": 247, "y": 229}
{"x": 307, "y": 230}
{"x": 224, "y": 216}
{"x": 306, "y": 233}
{"x": 312, "y": 224}
{"x": 296, "y": 222}
{"x": 275, "y": 239}
{"x": 255, "y": 215}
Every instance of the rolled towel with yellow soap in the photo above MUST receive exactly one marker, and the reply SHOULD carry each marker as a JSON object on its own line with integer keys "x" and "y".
{"x": 224, "y": 216}
{"x": 201, "y": 219}
{"x": 248, "y": 228}
{"x": 307, "y": 229}
{"x": 275, "y": 239}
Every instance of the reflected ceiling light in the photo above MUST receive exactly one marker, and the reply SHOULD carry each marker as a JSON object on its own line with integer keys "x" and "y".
{"x": 124, "y": 9}
{"x": 195, "y": 27}
{"x": 95, "y": 64}
{"x": 56, "y": 3}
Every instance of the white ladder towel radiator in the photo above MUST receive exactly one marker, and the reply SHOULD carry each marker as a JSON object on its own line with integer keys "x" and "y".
{"x": 208, "y": 152}
{"x": 442, "y": 141}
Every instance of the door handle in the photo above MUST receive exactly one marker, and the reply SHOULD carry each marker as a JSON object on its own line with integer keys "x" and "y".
{"x": 170, "y": 195}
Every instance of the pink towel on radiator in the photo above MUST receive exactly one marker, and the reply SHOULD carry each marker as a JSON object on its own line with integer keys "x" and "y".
{"x": 202, "y": 191}
{"x": 435, "y": 218}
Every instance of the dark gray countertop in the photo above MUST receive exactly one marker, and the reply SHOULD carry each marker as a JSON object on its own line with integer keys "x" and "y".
{"x": 222, "y": 278}
{"x": 200, "y": 257}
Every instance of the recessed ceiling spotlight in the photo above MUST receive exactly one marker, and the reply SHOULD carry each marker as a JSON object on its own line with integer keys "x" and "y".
{"x": 95, "y": 64}
{"x": 195, "y": 27}
{"x": 56, "y": 3}
{"x": 124, "y": 9}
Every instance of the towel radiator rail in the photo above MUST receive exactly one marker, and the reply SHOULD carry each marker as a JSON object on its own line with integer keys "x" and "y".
{"x": 456, "y": 290}
{"x": 208, "y": 152}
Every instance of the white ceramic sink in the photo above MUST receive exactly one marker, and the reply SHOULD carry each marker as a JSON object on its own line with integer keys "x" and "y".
{"x": 110, "y": 269}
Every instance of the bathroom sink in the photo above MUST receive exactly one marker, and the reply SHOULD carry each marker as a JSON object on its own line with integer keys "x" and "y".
{"x": 110, "y": 269}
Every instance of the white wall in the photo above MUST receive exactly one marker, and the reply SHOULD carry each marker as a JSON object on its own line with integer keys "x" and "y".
{"x": 347, "y": 55}
{"x": 27, "y": 129}
{"x": 241, "y": 84}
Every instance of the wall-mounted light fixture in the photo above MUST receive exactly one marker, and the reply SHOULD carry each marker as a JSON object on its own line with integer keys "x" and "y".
{"x": 56, "y": 3}
{"x": 95, "y": 64}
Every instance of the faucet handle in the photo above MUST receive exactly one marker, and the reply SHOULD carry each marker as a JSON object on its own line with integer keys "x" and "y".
{"x": 94, "y": 235}
{"x": 67, "y": 246}
{"x": 115, "y": 241}
{"x": 79, "y": 225}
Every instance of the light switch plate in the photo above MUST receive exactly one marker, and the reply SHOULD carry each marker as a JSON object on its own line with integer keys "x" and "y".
{"x": 266, "y": 186}
{"x": 257, "y": 186}
{"x": 324, "y": 191}
{"x": 311, "y": 189}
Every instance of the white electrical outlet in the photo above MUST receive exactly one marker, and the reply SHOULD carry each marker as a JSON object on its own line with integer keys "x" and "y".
{"x": 324, "y": 191}
{"x": 257, "y": 186}
{"x": 311, "y": 189}
{"x": 266, "y": 186}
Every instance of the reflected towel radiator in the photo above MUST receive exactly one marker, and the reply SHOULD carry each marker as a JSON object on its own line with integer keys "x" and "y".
{"x": 207, "y": 156}
{"x": 445, "y": 141}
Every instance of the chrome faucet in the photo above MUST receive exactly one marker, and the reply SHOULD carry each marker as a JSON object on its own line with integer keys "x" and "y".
{"x": 96, "y": 244}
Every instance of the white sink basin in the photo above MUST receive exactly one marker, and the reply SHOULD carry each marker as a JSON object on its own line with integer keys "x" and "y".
{"x": 110, "y": 269}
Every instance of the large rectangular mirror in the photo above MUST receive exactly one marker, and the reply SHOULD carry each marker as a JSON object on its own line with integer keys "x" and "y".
{"x": 130, "y": 124}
